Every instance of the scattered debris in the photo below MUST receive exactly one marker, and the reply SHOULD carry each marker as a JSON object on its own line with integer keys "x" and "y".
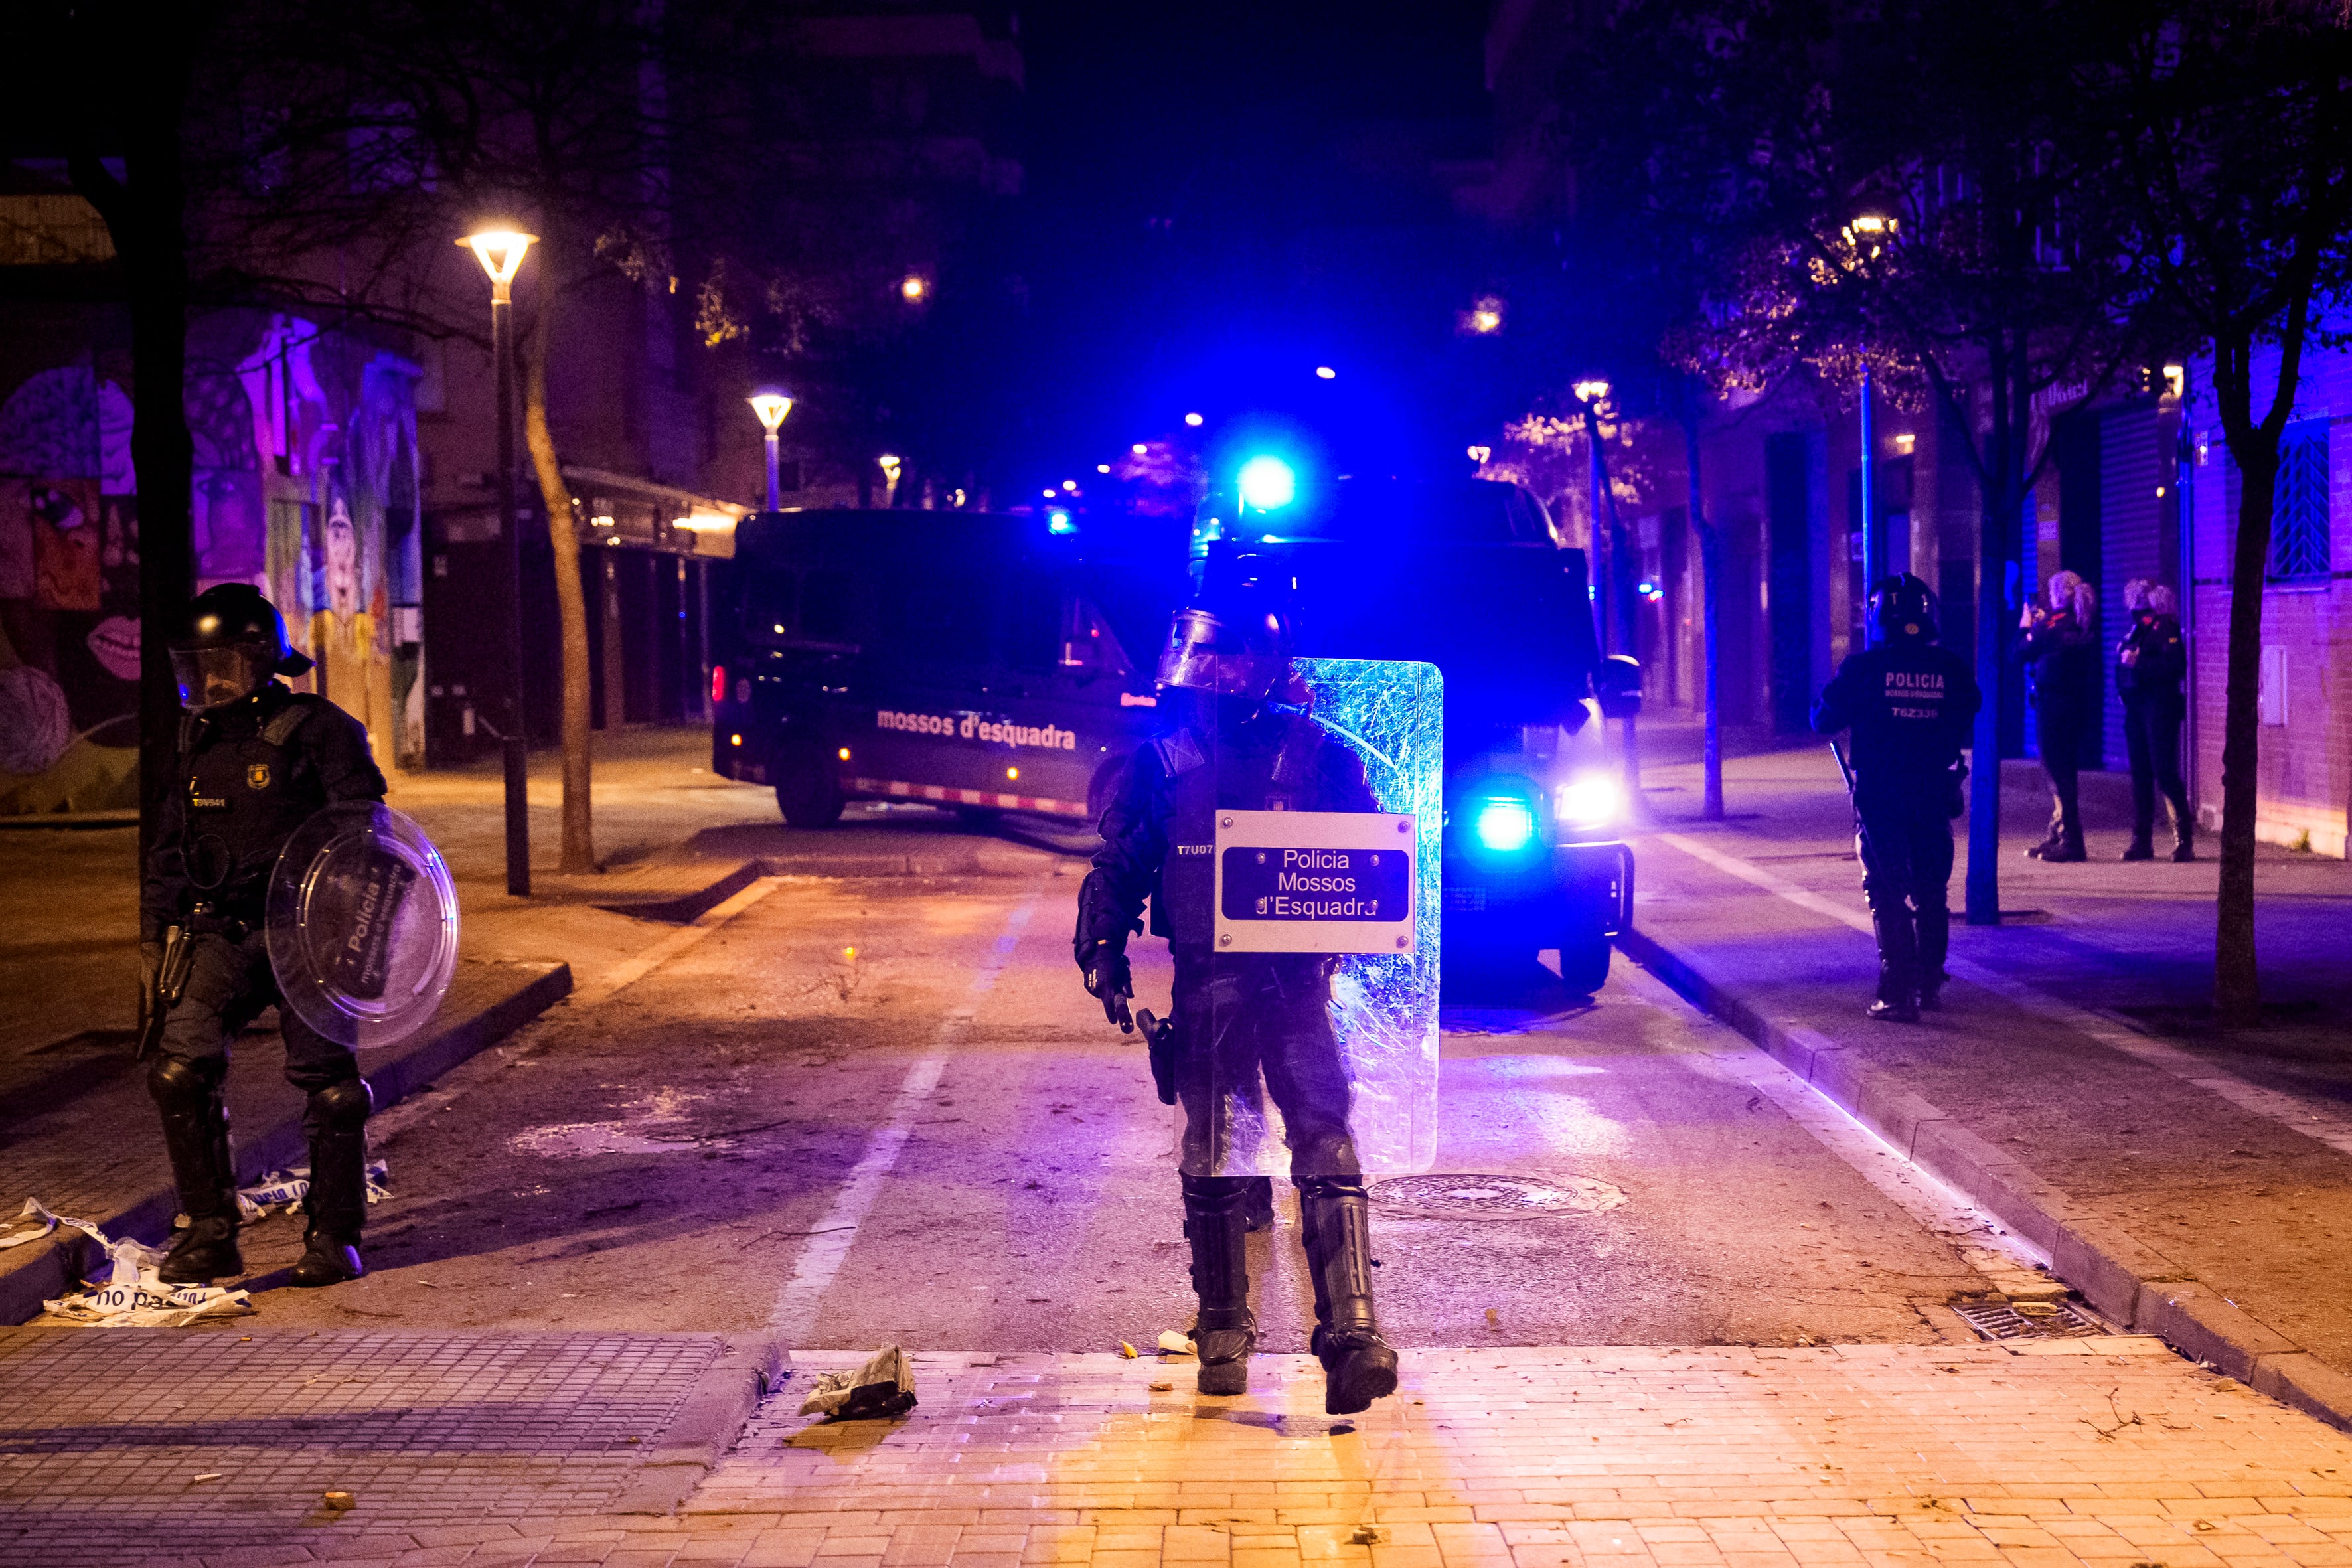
{"x": 1174, "y": 1343}
{"x": 884, "y": 1387}
{"x": 339, "y": 1502}
{"x": 132, "y": 1296}
{"x": 1494, "y": 1317}
{"x": 209, "y": 1476}
{"x": 1367, "y": 1536}
{"x": 1162, "y": 1387}
{"x": 1127, "y": 1349}
{"x": 283, "y": 1192}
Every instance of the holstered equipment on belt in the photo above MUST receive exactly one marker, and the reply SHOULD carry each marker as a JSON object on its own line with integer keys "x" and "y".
{"x": 171, "y": 984}
{"x": 1159, "y": 1036}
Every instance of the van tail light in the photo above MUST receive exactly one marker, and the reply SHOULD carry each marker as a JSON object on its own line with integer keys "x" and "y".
{"x": 718, "y": 683}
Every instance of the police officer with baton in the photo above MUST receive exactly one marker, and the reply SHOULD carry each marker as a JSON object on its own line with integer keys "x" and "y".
{"x": 256, "y": 763}
{"x": 1910, "y": 704}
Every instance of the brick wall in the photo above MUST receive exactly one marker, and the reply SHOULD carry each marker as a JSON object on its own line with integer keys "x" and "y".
{"x": 2305, "y": 764}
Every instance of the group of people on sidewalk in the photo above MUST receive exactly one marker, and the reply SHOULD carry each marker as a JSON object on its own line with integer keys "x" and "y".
{"x": 1911, "y": 704}
{"x": 2060, "y": 646}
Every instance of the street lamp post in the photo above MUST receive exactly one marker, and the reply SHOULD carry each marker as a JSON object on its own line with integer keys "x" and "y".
{"x": 772, "y": 407}
{"x": 500, "y": 252}
{"x": 1869, "y": 233}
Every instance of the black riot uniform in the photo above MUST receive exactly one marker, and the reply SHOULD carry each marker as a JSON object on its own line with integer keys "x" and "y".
{"x": 2151, "y": 663}
{"x": 1910, "y": 704}
{"x": 1244, "y": 1026}
{"x": 255, "y": 761}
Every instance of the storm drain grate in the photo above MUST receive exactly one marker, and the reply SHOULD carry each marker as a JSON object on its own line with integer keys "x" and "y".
{"x": 1494, "y": 1197}
{"x": 1998, "y": 1318}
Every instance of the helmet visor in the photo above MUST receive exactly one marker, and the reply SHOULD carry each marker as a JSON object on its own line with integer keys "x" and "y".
{"x": 215, "y": 677}
{"x": 1197, "y": 667}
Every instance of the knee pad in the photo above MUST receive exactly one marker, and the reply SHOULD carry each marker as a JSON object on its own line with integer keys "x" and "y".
{"x": 183, "y": 1084}
{"x": 342, "y": 1106}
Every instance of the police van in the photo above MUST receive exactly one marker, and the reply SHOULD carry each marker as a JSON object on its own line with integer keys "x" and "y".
{"x": 981, "y": 662}
{"x": 1468, "y": 576}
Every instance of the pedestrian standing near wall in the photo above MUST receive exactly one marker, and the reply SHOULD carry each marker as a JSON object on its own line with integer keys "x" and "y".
{"x": 2151, "y": 663}
{"x": 1909, "y": 704}
{"x": 2060, "y": 650}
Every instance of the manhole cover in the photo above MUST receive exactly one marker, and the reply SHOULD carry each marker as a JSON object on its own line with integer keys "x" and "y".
{"x": 1998, "y": 1318}
{"x": 1494, "y": 1197}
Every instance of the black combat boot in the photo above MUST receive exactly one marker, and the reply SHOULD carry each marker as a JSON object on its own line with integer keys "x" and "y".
{"x": 1934, "y": 927}
{"x": 1898, "y": 968}
{"x": 2184, "y": 833}
{"x": 2141, "y": 846}
{"x": 195, "y": 1135}
{"x": 1358, "y": 1364}
{"x": 1216, "y": 1224}
{"x": 336, "y": 1120}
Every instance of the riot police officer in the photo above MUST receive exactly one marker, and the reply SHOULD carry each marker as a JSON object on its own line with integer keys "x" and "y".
{"x": 1909, "y": 703}
{"x": 2151, "y": 662}
{"x": 255, "y": 762}
{"x": 1244, "y": 1026}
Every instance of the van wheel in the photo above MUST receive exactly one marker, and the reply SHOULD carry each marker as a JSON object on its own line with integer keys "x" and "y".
{"x": 1584, "y": 964}
{"x": 809, "y": 795}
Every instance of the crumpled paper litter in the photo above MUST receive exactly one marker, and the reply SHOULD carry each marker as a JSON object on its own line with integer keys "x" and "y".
{"x": 884, "y": 1386}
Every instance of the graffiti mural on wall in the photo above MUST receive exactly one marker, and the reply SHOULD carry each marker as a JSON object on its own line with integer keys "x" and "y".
{"x": 304, "y": 485}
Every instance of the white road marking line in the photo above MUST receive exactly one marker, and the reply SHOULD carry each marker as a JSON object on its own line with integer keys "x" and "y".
{"x": 832, "y": 1236}
{"x": 2007, "y": 1261}
{"x": 2313, "y": 1121}
{"x": 623, "y": 975}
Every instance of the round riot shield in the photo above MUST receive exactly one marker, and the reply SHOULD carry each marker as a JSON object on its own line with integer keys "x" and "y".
{"x": 1307, "y": 838}
{"x": 362, "y": 925}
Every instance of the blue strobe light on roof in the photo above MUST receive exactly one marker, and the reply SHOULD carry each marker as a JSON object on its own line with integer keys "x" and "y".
{"x": 1505, "y": 824}
{"x": 1267, "y": 483}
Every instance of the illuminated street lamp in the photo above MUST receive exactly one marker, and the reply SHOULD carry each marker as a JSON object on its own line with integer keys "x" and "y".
{"x": 914, "y": 289}
{"x": 891, "y": 467}
{"x": 772, "y": 407}
{"x": 500, "y": 252}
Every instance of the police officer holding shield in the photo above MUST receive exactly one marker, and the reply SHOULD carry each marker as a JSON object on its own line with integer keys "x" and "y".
{"x": 1910, "y": 704}
{"x": 255, "y": 761}
{"x": 1246, "y": 1026}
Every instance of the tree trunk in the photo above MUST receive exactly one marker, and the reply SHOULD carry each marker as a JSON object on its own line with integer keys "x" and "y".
{"x": 1710, "y": 571}
{"x": 145, "y": 217}
{"x": 563, "y": 534}
{"x": 2237, "y": 985}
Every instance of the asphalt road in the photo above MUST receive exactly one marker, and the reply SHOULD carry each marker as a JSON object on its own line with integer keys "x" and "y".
{"x": 882, "y": 1109}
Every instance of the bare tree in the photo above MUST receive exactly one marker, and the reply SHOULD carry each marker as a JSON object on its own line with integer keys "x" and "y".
{"x": 2234, "y": 129}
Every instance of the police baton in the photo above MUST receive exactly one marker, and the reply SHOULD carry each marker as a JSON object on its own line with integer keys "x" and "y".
{"x": 1844, "y": 772}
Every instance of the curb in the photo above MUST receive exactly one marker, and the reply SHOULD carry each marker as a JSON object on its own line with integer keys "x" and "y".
{"x": 708, "y": 1420}
{"x": 394, "y": 1074}
{"x": 2130, "y": 1283}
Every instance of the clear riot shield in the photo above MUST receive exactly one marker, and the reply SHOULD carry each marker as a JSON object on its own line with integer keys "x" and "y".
{"x": 362, "y": 925}
{"x": 1310, "y": 1035}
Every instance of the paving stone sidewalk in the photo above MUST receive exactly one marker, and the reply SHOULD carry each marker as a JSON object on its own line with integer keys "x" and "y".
{"x": 2111, "y": 1451}
{"x": 2217, "y": 1165}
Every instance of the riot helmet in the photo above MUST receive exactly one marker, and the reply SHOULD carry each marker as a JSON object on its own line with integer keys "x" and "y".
{"x": 1902, "y": 609}
{"x": 1236, "y": 646}
{"x": 229, "y": 645}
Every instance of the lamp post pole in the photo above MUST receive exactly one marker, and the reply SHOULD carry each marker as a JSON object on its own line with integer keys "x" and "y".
{"x": 500, "y": 252}
{"x": 772, "y": 407}
{"x": 1873, "y": 533}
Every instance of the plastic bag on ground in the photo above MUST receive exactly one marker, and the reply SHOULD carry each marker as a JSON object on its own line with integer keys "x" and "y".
{"x": 883, "y": 1388}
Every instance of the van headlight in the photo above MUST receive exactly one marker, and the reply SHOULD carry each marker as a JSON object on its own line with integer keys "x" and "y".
{"x": 1588, "y": 800}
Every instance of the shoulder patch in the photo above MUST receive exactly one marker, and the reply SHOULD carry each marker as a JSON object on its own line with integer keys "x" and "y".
{"x": 1177, "y": 753}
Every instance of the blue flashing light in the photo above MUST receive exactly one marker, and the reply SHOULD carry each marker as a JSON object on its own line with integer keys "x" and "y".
{"x": 1058, "y": 522}
{"x": 1266, "y": 482}
{"x": 1506, "y": 825}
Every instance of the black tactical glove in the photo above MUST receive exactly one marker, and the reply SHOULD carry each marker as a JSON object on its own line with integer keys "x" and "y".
{"x": 1110, "y": 982}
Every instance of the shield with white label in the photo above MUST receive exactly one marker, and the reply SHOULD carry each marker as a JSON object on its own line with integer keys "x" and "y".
{"x": 1302, "y": 882}
{"x": 362, "y": 925}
